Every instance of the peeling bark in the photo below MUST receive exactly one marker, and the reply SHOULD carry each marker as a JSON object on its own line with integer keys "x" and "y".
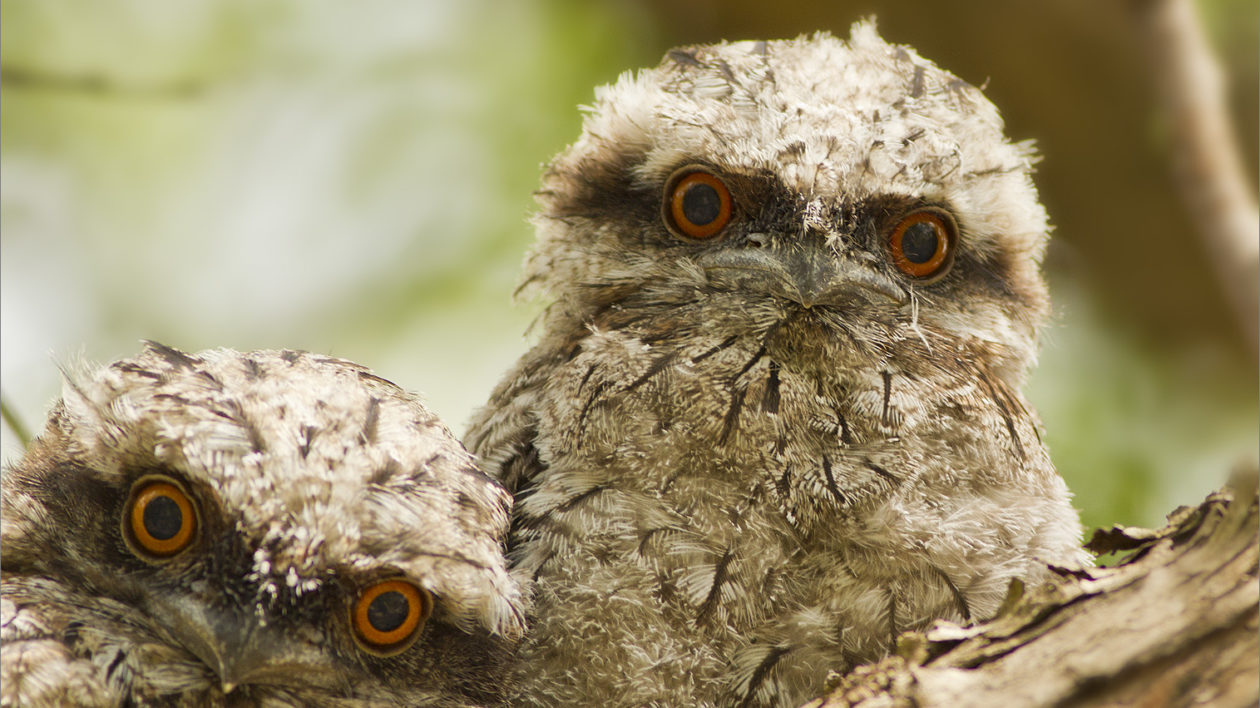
{"x": 1172, "y": 623}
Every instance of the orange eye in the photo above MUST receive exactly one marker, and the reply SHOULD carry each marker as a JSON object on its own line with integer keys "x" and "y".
{"x": 160, "y": 518}
{"x": 921, "y": 244}
{"x": 388, "y": 615}
{"x": 698, "y": 205}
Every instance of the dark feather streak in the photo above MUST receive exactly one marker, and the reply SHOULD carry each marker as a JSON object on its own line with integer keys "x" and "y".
{"x": 719, "y": 578}
{"x": 784, "y": 481}
{"x": 172, "y": 356}
{"x": 253, "y": 369}
{"x": 723, "y": 345}
{"x": 570, "y": 503}
{"x": 831, "y": 481}
{"x": 1002, "y": 401}
{"x": 373, "y": 418}
{"x": 237, "y": 415}
{"x": 586, "y": 377}
{"x": 308, "y": 436}
{"x": 137, "y": 370}
{"x": 586, "y": 408}
{"x": 892, "y": 619}
{"x": 544, "y": 562}
{"x": 756, "y": 357}
{"x": 383, "y": 473}
{"x": 845, "y": 436}
{"x": 173, "y": 398}
{"x": 770, "y": 397}
{"x": 959, "y": 599}
{"x": 71, "y": 634}
{"x": 115, "y": 664}
{"x": 761, "y": 672}
{"x": 518, "y": 471}
{"x": 653, "y": 369}
{"x": 366, "y": 375}
{"x": 452, "y": 557}
{"x": 881, "y": 471}
{"x": 884, "y": 416}
{"x": 684, "y": 58}
{"x": 646, "y": 536}
{"x": 732, "y": 414}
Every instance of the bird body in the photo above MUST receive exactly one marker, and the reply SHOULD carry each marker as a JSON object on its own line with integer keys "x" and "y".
{"x": 267, "y": 528}
{"x": 773, "y": 418}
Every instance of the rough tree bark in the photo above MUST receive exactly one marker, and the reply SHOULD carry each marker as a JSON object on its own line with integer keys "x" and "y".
{"x": 1172, "y": 623}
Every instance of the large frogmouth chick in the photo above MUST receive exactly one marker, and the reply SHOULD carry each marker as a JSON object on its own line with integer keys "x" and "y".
{"x": 774, "y": 414}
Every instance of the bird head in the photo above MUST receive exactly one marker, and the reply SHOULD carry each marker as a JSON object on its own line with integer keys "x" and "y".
{"x": 279, "y": 523}
{"x": 852, "y": 189}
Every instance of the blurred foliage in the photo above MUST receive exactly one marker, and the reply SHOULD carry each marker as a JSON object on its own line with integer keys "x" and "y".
{"x": 355, "y": 178}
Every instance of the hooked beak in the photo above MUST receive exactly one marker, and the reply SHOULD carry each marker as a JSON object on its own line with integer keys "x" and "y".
{"x": 808, "y": 275}
{"x": 240, "y": 649}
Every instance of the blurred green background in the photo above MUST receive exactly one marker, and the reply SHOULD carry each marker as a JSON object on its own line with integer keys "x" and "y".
{"x": 355, "y": 178}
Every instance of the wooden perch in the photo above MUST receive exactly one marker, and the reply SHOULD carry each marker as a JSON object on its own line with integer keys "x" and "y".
{"x": 1173, "y": 623}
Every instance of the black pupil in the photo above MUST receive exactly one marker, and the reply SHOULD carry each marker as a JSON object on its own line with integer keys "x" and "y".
{"x": 162, "y": 518}
{"x": 701, "y": 204}
{"x": 388, "y": 611}
{"x": 918, "y": 243}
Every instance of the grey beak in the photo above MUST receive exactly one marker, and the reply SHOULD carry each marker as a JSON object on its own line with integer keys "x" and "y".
{"x": 808, "y": 275}
{"x": 240, "y": 648}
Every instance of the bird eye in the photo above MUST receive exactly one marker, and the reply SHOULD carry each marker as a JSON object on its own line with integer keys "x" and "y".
{"x": 922, "y": 243}
{"x": 697, "y": 204}
{"x": 160, "y": 519}
{"x": 389, "y": 615}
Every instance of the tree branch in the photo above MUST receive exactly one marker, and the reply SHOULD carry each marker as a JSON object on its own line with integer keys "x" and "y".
{"x": 1206, "y": 159}
{"x": 1173, "y": 623}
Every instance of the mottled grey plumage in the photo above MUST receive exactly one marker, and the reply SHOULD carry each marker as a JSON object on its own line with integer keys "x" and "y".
{"x": 746, "y": 460}
{"x": 310, "y": 479}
